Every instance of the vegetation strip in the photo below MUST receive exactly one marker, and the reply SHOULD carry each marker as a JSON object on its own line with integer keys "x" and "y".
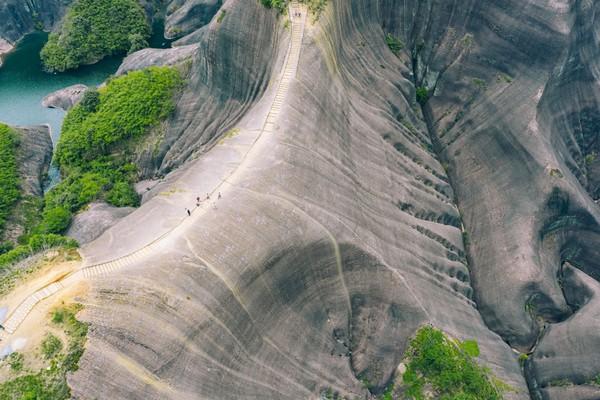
{"x": 9, "y": 177}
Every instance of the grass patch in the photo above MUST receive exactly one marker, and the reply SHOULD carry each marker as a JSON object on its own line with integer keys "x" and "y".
{"x": 51, "y": 345}
{"x": 15, "y": 361}
{"x": 316, "y": 7}
{"x": 480, "y": 83}
{"x": 9, "y": 176}
{"x": 51, "y": 383}
{"x": 94, "y": 29}
{"x": 447, "y": 368}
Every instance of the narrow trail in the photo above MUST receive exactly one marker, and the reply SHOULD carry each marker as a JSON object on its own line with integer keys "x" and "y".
{"x": 298, "y": 14}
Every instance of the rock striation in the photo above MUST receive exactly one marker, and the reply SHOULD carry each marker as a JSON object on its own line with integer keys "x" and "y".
{"x": 34, "y": 154}
{"x": 22, "y": 17}
{"x": 452, "y": 183}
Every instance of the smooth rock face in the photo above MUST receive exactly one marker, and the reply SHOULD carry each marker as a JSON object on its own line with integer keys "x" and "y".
{"x": 65, "y": 98}
{"x": 157, "y": 57}
{"x": 91, "y": 223}
{"x": 343, "y": 232}
{"x": 21, "y": 17}
{"x": 186, "y": 16}
{"x": 33, "y": 160}
{"x": 338, "y": 239}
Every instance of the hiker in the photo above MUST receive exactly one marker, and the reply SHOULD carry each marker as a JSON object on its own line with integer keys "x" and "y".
{"x": 198, "y": 199}
{"x": 188, "y": 212}
{"x": 207, "y": 196}
{"x": 219, "y": 195}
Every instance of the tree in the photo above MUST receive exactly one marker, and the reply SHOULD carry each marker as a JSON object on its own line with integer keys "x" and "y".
{"x": 90, "y": 101}
{"x": 56, "y": 220}
{"x": 137, "y": 42}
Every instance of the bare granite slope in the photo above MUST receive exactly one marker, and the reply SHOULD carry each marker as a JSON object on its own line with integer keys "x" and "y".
{"x": 357, "y": 214}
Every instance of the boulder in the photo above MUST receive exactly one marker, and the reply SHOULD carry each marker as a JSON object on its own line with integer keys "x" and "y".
{"x": 94, "y": 220}
{"x": 65, "y": 98}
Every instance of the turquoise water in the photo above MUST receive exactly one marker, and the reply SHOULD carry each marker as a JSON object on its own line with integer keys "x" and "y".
{"x": 23, "y": 84}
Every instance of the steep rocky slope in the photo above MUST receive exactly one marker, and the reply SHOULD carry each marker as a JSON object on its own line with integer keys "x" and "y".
{"x": 351, "y": 231}
{"x": 33, "y": 155}
{"x": 21, "y": 17}
{"x": 364, "y": 214}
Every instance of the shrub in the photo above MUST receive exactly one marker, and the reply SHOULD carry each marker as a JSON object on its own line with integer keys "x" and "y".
{"x": 277, "y": 4}
{"x": 394, "y": 44}
{"x": 56, "y": 220}
{"x": 129, "y": 106}
{"x": 447, "y": 368}
{"x": 90, "y": 101}
{"x": 422, "y": 95}
{"x": 9, "y": 178}
{"x": 93, "y": 29}
{"x": 5, "y": 247}
{"x": 122, "y": 195}
{"x": 137, "y": 41}
{"x": 51, "y": 345}
{"x": 15, "y": 360}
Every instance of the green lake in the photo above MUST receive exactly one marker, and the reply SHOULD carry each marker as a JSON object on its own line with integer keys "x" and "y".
{"x": 23, "y": 83}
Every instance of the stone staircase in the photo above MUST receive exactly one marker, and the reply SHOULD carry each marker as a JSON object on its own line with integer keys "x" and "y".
{"x": 298, "y": 15}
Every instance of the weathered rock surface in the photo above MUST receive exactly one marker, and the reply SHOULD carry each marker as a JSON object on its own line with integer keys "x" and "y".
{"x": 342, "y": 232}
{"x": 33, "y": 160}
{"x": 22, "y": 17}
{"x": 92, "y": 222}
{"x": 186, "y": 16}
{"x": 157, "y": 57}
{"x": 65, "y": 98}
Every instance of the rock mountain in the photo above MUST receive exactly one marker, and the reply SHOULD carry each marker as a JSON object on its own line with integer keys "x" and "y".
{"x": 365, "y": 213}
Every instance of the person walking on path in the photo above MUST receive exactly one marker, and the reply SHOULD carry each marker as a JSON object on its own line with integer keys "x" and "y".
{"x": 219, "y": 195}
{"x": 189, "y": 213}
